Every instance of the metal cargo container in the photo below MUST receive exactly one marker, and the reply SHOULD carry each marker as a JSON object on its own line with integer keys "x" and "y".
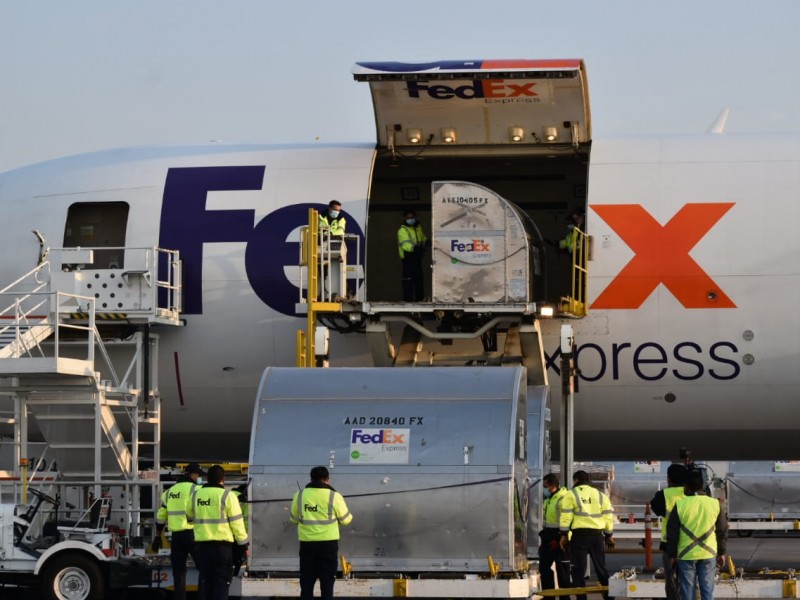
{"x": 482, "y": 249}
{"x": 448, "y": 490}
{"x": 538, "y": 457}
{"x": 763, "y": 490}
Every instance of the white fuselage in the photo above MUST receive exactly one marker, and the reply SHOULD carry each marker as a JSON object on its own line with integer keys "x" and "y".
{"x": 691, "y": 338}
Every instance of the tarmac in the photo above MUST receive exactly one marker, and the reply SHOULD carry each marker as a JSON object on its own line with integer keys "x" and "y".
{"x": 775, "y": 552}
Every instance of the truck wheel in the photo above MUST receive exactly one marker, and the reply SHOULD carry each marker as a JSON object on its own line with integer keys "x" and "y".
{"x": 73, "y": 577}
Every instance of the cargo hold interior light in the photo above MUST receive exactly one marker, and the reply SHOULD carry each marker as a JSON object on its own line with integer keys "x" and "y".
{"x": 449, "y": 135}
{"x": 414, "y": 136}
{"x": 550, "y": 134}
{"x": 516, "y": 134}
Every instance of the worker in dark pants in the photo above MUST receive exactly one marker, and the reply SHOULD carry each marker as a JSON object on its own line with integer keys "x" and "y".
{"x": 662, "y": 504}
{"x": 587, "y": 514}
{"x": 550, "y": 552}
{"x": 172, "y": 513}
{"x": 220, "y": 535}
{"x": 411, "y": 244}
{"x": 318, "y": 509}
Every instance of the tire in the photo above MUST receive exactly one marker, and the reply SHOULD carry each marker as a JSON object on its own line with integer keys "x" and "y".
{"x": 73, "y": 577}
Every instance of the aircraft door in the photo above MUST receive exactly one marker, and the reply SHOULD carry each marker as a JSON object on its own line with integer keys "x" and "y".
{"x": 99, "y": 225}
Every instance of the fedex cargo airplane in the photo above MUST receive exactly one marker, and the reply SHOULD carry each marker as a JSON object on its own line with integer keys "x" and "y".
{"x": 691, "y": 337}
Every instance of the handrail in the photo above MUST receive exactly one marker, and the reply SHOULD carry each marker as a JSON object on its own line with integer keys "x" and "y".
{"x": 580, "y": 274}
{"x": 159, "y": 261}
{"x": 30, "y": 273}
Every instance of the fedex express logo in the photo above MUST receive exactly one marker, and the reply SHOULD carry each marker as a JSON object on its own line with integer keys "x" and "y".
{"x": 662, "y": 256}
{"x": 379, "y": 446}
{"x": 471, "y": 246}
{"x": 482, "y": 88}
{"x": 379, "y": 436}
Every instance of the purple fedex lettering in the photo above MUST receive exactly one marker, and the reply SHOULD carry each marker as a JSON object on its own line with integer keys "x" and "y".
{"x": 186, "y": 225}
{"x": 366, "y": 438}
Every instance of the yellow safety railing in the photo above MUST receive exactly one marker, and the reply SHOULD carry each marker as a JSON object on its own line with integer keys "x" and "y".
{"x": 575, "y": 304}
{"x": 310, "y": 265}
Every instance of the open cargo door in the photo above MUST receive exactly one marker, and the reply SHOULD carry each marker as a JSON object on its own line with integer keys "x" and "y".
{"x": 483, "y": 102}
{"x": 518, "y": 128}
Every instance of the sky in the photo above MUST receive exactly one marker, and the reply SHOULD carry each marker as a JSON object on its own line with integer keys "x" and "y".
{"x": 85, "y": 75}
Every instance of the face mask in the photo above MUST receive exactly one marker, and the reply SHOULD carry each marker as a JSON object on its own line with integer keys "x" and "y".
{"x": 333, "y": 213}
{"x": 199, "y": 481}
{"x": 410, "y": 221}
{"x": 547, "y": 493}
{"x": 571, "y": 226}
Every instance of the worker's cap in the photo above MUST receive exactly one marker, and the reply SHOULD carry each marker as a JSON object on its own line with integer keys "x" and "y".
{"x": 192, "y": 468}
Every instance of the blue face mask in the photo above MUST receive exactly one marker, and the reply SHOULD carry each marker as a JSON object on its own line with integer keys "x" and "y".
{"x": 571, "y": 226}
{"x": 547, "y": 493}
{"x": 410, "y": 221}
{"x": 333, "y": 213}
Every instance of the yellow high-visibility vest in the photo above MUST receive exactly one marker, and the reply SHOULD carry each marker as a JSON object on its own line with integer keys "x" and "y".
{"x": 698, "y": 515}
{"x": 336, "y": 225}
{"x": 318, "y": 512}
{"x": 552, "y": 508}
{"x": 217, "y": 516}
{"x": 585, "y": 507}
{"x": 671, "y": 496}
{"x": 174, "y": 507}
{"x": 409, "y": 237}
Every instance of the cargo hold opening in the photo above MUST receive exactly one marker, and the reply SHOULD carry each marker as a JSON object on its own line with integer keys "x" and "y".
{"x": 546, "y": 187}
{"x": 519, "y": 129}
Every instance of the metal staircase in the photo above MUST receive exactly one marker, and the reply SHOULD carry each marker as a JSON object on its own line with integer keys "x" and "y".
{"x": 95, "y": 409}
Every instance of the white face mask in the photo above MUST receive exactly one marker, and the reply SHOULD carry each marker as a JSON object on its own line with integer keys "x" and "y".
{"x": 199, "y": 481}
{"x": 410, "y": 221}
{"x": 333, "y": 213}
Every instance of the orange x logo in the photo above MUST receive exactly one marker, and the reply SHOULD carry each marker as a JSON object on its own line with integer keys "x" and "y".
{"x": 662, "y": 256}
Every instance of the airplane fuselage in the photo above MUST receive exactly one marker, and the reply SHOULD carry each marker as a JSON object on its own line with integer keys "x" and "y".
{"x": 691, "y": 337}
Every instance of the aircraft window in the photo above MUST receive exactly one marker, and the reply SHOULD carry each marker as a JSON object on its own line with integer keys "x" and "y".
{"x": 99, "y": 225}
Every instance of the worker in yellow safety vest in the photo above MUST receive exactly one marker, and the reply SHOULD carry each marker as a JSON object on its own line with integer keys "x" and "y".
{"x": 577, "y": 218}
{"x": 318, "y": 509}
{"x": 697, "y": 536}
{"x": 587, "y": 513}
{"x": 219, "y": 533}
{"x": 550, "y": 552}
{"x": 173, "y": 513}
{"x": 411, "y": 244}
{"x": 332, "y": 219}
{"x": 662, "y": 504}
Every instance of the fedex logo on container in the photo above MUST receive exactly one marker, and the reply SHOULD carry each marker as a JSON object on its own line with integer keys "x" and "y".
{"x": 471, "y": 246}
{"x": 380, "y": 436}
{"x": 483, "y": 88}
